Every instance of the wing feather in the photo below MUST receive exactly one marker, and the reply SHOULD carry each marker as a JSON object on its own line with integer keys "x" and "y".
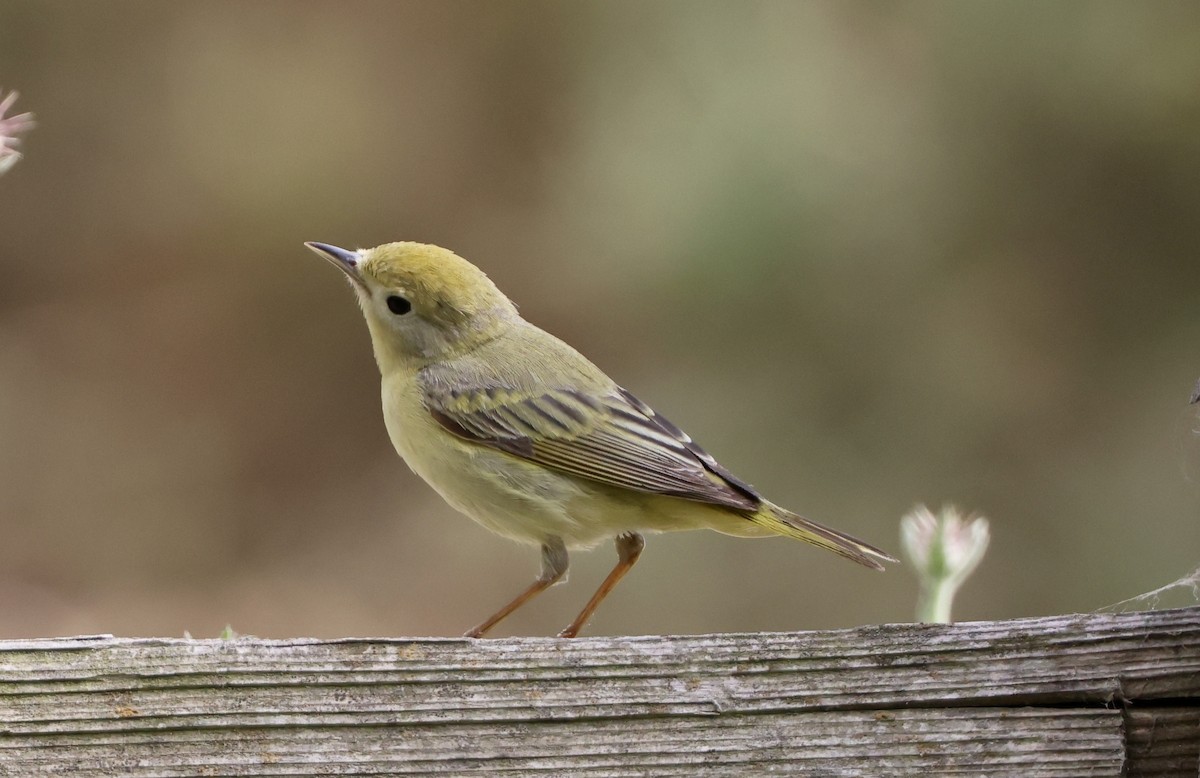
{"x": 610, "y": 437}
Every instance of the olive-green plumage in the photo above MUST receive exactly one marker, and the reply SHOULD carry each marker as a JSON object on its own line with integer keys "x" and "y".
{"x": 519, "y": 431}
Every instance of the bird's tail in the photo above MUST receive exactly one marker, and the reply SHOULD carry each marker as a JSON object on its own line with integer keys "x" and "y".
{"x": 783, "y": 522}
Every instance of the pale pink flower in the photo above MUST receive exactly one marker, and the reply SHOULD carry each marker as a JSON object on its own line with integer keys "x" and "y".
{"x": 943, "y": 550}
{"x": 9, "y": 127}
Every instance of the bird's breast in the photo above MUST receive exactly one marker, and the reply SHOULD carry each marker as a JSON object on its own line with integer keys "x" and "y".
{"x": 507, "y": 495}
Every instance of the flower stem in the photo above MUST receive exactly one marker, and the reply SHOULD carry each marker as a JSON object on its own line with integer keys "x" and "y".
{"x": 935, "y": 601}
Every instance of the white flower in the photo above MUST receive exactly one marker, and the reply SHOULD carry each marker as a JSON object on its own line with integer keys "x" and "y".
{"x": 9, "y": 127}
{"x": 943, "y": 550}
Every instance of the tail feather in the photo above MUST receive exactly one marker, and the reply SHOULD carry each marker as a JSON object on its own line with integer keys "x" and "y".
{"x": 784, "y": 522}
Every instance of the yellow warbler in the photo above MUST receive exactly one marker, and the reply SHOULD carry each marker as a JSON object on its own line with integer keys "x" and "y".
{"x": 520, "y": 432}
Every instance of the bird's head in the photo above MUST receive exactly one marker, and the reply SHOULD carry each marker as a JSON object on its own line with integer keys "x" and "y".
{"x": 422, "y": 303}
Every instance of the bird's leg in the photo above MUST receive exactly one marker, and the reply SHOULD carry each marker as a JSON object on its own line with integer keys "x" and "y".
{"x": 629, "y": 548}
{"x": 554, "y": 567}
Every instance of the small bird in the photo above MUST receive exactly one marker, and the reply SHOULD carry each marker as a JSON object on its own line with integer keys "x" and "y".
{"x": 523, "y": 434}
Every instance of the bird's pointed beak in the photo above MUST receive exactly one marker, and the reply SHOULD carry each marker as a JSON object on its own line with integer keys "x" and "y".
{"x": 346, "y": 261}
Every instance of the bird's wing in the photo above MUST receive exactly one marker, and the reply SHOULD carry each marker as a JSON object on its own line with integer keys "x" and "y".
{"x": 610, "y": 437}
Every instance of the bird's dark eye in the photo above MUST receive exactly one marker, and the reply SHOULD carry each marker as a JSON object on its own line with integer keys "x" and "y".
{"x": 398, "y": 305}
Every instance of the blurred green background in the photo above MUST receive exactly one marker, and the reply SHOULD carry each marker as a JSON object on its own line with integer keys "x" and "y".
{"x": 869, "y": 254}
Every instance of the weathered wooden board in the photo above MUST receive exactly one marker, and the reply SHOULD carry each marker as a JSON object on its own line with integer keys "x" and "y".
{"x": 987, "y": 741}
{"x": 1163, "y": 741}
{"x": 1101, "y": 694}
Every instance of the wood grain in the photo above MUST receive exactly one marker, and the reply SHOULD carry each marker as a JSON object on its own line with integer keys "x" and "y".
{"x": 1099, "y": 694}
